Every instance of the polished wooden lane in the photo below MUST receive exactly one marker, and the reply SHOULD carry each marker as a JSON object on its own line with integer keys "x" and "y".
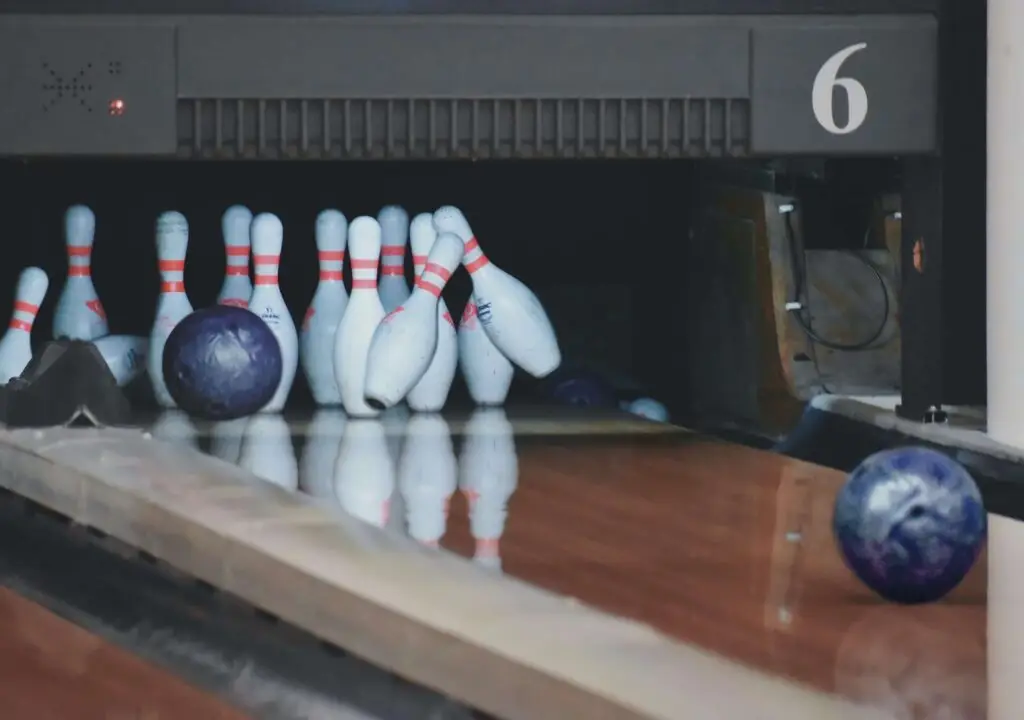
{"x": 51, "y": 669}
{"x": 705, "y": 580}
{"x": 731, "y": 549}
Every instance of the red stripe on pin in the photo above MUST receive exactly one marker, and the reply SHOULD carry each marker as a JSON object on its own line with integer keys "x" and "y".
{"x": 429, "y": 287}
{"x": 392, "y": 270}
{"x": 265, "y": 280}
{"x": 22, "y": 306}
{"x": 331, "y": 255}
{"x": 79, "y": 252}
{"x": 171, "y": 265}
{"x": 392, "y": 251}
{"x": 238, "y": 270}
{"x": 17, "y": 324}
{"x": 364, "y": 284}
{"x": 439, "y": 270}
{"x": 237, "y": 250}
{"x": 330, "y": 274}
{"x": 266, "y": 259}
{"x": 172, "y": 287}
{"x": 78, "y": 271}
{"x": 477, "y": 264}
{"x": 363, "y": 264}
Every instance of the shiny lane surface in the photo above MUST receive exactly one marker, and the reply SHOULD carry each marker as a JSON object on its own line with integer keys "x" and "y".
{"x": 715, "y": 544}
{"x": 50, "y": 669}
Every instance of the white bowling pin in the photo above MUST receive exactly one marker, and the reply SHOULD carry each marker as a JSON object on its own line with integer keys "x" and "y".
{"x": 431, "y": 392}
{"x": 79, "y": 315}
{"x": 268, "y": 452}
{"x": 394, "y": 231}
{"x": 404, "y": 343}
{"x": 16, "y": 344}
{"x": 488, "y": 475}
{"x": 319, "y": 327}
{"x": 427, "y": 477}
{"x": 320, "y": 453}
{"x": 361, "y": 318}
{"x": 267, "y": 302}
{"x": 237, "y": 287}
{"x": 226, "y": 438}
{"x": 487, "y": 372}
{"x": 647, "y": 408}
{"x": 174, "y": 426}
{"x": 125, "y": 355}
{"x": 365, "y": 474}
{"x": 173, "y": 305}
{"x": 511, "y": 314}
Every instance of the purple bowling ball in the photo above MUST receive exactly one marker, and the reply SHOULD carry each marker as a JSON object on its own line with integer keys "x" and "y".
{"x": 222, "y": 363}
{"x": 910, "y": 523}
{"x": 582, "y": 388}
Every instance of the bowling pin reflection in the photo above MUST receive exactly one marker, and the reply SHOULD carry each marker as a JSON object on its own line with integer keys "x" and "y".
{"x": 174, "y": 426}
{"x": 395, "y": 419}
{"x": 267, "y": 451}
{"x": 427, "y": 477}
{"x": 319, "y": 456}
{"x": 364, "y": 475}
{"x": 488, "y": 475}
{"x": 226, "y": 439}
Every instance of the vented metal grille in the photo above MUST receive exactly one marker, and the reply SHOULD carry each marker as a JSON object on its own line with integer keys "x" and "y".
{"x": 433, "y": 129}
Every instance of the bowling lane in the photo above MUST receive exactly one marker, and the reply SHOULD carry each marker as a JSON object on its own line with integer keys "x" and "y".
{"x": 715, "y": 544}
{"x": 51, "y": 668}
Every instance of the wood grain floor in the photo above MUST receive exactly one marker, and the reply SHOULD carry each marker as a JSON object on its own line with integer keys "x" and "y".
{"x": 50, "y": 669}
{"x": 730, "y": 548}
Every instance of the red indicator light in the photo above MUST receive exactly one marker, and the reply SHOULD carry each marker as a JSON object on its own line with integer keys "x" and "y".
{"x": 116, "y": 107}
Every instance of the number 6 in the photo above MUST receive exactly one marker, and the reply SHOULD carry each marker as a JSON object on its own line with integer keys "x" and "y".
{"x": 856, "y": 96}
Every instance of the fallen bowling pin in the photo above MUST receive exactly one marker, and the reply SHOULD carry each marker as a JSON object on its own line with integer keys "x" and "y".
{"x": 510, "y": 313}
{"x": 647, "y": 408}
{"x": 125, "y": 355}
{"x": 431, "y": 392}
{"x": 79, "y": 315}
{"x": 16, "y": 344}
{"x": 404, "y": 343}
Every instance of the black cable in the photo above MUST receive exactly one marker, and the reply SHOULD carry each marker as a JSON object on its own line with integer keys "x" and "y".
{"x": 800, "y": 280}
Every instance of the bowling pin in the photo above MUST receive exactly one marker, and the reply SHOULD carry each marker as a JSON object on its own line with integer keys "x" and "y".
{"x": 427, "y": 477}
{"x": 488, "y": 475}
{"x": 267, "y": 301}
{"x": 125, "y": 355}
{"x": 404, "y": 343}
{"x": 237, "y": 287}
{"x": 268, "y": 452}
{"x": 394, "y": 231}
{"x": 431, "y": 392}
{"x": 16, "y": 344}
{"x": 174, "y": 426}
{"x": 320, "y": 453}
{"x": 79, "y": 315}
{"x": 647, "y": 408}
{"x": 487, "y": 372}
{"x": 172, "y": 306}
{"x": 510, "y": 313}
{"x": 365, "y": 474}
{"x": 319, "y": 327}
{"x": 226, "y": 437}
{"x": 361, "y": 318}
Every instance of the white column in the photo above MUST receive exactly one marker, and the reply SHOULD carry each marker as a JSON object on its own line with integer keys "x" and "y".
{"x": 1005, "y": 232}
{"x": 1005, "y": 623}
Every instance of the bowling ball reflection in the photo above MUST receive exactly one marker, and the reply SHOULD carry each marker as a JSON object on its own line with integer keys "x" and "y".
{"x": 925, "y": 663}
{"x": 222, "y": 363}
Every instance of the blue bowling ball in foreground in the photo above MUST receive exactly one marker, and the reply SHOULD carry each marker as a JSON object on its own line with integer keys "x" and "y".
{"x": 222, "y": 363}
{"x": 910, "y": 523}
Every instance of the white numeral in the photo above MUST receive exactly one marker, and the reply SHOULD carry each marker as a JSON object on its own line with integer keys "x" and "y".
{"x": 825, "y": 83}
